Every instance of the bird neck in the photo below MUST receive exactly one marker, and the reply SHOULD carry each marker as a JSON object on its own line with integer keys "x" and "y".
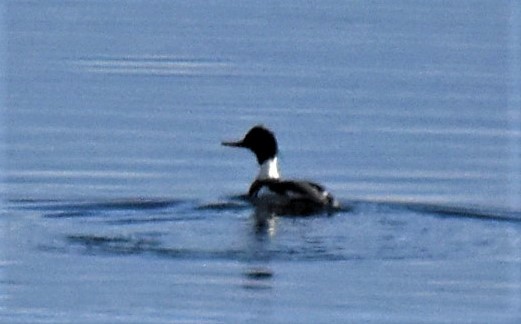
{"x": 269, "y": 170}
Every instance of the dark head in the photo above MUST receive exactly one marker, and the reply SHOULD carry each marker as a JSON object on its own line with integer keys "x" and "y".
{"x": 260, "y": 141}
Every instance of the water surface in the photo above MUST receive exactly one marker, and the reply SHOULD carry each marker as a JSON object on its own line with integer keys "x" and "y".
{"x": 118, "y": 199}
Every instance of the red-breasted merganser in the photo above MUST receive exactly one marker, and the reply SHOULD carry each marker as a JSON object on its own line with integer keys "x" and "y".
{"x": 284, "y": 197}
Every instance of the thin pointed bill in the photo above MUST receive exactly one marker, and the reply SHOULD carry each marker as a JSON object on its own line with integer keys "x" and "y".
{"x": 233, "y": 144}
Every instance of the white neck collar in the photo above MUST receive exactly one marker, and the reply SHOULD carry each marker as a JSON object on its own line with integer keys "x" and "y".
{"x": 269, "y": 170}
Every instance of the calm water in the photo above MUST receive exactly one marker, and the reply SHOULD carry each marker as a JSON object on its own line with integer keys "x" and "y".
{"x": 118, "y": 199}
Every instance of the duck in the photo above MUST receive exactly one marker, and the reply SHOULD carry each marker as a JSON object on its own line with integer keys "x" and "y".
{"x": 269, "y": 191}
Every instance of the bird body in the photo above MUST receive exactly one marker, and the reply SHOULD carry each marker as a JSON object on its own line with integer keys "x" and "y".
{"x": 268, "y": 190}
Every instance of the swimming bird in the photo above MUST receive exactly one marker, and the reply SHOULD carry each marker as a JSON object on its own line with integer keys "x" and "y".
{"x": 283, "y": 197}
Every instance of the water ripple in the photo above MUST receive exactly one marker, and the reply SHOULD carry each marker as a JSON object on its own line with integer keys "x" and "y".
{"x": 82, "y": 206}
{"x": 152, "y": 65}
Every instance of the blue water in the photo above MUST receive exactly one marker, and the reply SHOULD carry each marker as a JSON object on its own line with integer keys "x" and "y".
{"x": 118, "y": 200}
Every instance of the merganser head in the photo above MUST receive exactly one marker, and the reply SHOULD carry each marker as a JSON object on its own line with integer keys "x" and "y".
{"x": 261, "y": 141}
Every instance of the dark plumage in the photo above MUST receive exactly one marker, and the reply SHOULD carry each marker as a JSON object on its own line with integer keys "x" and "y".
{"x": 261, "y": 141}
{"x": 296, "y": 197}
